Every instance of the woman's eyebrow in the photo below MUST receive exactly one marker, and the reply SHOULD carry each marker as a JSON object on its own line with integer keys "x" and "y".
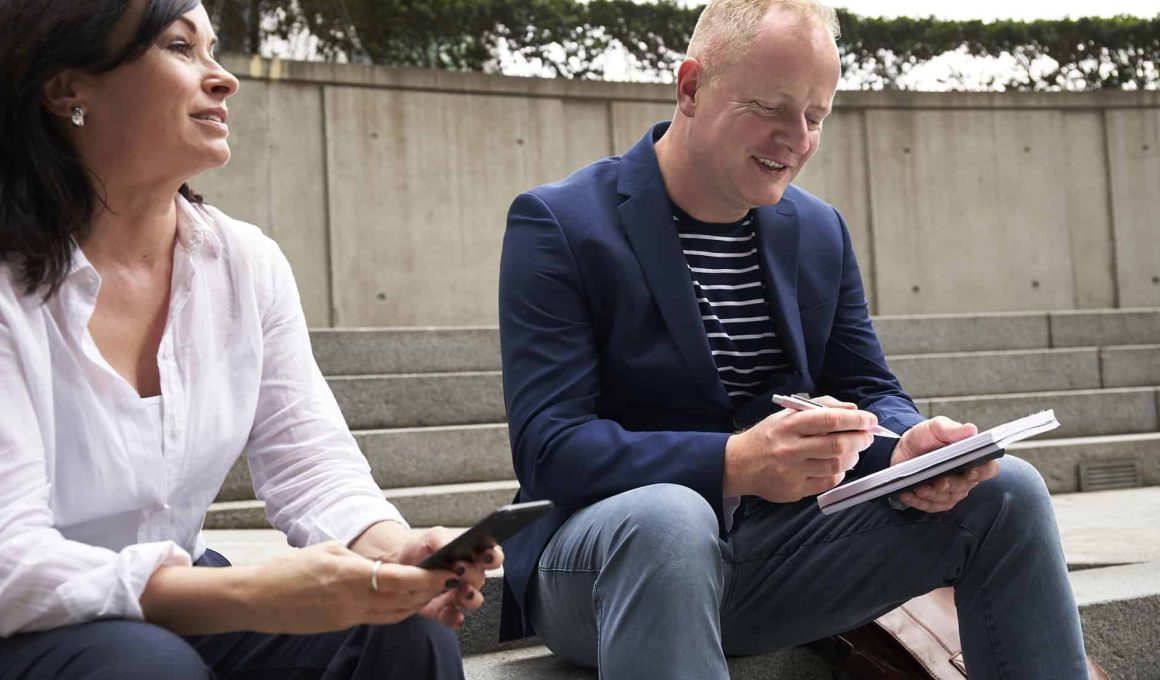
{"x": 193, "y": 27}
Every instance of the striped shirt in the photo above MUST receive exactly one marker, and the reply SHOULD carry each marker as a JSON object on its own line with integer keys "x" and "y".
{"x": 726, "y": 273}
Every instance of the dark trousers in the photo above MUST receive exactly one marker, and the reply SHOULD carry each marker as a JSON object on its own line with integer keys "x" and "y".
{"x": 134, "y": 650}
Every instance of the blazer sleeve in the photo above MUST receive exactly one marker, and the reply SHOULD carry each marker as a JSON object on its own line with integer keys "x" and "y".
{"x": 855, "y": 367}
{"x": 561, "y": 447}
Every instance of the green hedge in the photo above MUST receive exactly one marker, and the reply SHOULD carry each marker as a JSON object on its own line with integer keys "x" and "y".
{"x": 569, "y": 38}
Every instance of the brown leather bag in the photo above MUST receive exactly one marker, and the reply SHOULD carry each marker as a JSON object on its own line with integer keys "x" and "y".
{"x": 917, "y": 641}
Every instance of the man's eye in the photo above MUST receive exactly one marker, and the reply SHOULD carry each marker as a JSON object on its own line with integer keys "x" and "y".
{"x": 813, "y": 124}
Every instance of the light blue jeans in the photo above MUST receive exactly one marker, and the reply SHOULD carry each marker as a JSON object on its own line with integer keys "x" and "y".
{"x": 641, "y": 585}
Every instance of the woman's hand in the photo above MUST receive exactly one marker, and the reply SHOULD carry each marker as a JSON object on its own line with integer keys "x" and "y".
{"x": 447, "y": 608}
{"x": 328, "y": 587}
{"x": 390, "y": 541}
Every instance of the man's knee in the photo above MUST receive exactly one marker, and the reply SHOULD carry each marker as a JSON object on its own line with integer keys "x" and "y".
{"x": 135, "y": 650}
{"x": 670, "y": 521}
{"x": 1020, "y": 495}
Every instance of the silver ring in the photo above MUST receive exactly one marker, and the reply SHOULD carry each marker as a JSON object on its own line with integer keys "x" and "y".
{"x": 375, "y": 575}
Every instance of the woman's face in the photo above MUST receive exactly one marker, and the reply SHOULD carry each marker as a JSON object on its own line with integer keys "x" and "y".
{"x": 162, "y": 117}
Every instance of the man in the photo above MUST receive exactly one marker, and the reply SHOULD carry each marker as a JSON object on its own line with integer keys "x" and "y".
{"x": 650, "y": 304}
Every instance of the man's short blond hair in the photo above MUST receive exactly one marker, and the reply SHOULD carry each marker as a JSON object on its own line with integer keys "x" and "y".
{"x": 727, "y": 28}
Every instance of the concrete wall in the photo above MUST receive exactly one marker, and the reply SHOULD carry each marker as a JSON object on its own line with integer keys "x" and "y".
{"x": 388, "y": 188}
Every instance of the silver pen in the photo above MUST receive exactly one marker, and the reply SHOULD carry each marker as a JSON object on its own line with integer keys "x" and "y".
{"x": 795, "y": 403}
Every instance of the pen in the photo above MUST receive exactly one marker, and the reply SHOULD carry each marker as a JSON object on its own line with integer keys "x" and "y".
{"x": 802, "y": 404}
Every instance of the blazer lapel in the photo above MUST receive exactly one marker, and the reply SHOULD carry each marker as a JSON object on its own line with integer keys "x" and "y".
{"x": 647, "y": 219}
{"x": 778, "y": 234}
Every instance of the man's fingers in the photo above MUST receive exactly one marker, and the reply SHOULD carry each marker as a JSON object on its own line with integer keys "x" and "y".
{"x": 827, "y": 420}
{"x": 830, "y": 466}
{"x": 834, "y": 403}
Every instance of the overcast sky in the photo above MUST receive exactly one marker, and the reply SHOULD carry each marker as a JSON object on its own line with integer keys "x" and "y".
{"x": 993, "y": 9}
{"x": 1001, "y": 9}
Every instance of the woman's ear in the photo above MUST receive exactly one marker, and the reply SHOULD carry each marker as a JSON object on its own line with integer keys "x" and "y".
{"x": 61, "y": 93}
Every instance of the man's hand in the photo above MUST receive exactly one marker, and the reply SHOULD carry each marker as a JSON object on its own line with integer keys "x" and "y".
{"x": 943, "y": 493}
{"x": 794, "y": 454}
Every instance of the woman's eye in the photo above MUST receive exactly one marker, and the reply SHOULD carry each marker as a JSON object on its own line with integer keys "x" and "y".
{"x": 181, "y": 47}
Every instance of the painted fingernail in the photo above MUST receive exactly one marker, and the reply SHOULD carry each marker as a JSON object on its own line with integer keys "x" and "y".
{"x": 471, "y": 595}
{"x": 452, "y": 583}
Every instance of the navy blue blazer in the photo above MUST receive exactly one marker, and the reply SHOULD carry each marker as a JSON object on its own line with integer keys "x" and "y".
{"x": 608, "y": 378}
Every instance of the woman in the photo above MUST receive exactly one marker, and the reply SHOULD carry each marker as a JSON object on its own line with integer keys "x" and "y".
{"x": 145, "y": 341}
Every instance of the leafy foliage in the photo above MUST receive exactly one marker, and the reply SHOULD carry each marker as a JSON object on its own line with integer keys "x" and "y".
{"x": 576, "y": 38}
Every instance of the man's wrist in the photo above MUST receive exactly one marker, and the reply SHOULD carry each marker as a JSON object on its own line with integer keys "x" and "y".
{"x": 730, "y": 477}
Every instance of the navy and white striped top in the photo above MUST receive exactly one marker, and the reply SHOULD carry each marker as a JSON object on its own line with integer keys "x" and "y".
{"x": 726, "y": 272}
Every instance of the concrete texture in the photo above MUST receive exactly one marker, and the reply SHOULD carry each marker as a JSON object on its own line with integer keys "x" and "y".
{"x": 1120, "y": 607}
{"x": 1105, "y": 327}
{"x": 445, "y": 505}
{"x": 421, "y": 192}
{"x": 1080, "y": 413}
{"x": 1105, "y": 528}
{"x": 421, "y": 399}
{"x": 414, "y": 457}
{"x": 453, "y": 505}
{"x": 1133, "y": 139}
{"x": 277, "y": 180}
{"x": 942, "y": 333}
{"x": 1089, "y": 221}
{"x": 952, "y": 198}
{"x": 537, "y": 663}
{"x": 1058, "y": 460}
{"x": 438, "y": 455}
{"x": 390, "y": 206}
{"x": 838, "y": 174}
{"x": 1133, "y": 365}
{"x": 405, "y": 350}
{"x": 948, "y": 375}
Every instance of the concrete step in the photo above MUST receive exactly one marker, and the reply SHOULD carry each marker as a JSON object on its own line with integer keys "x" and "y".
{"x": 430, "y": 457}
{"x": 363, "y": 351}
{"x": 420, "y": 456}
{"x": 423, "y": 350}
{"x": 1096, "y": 529}
{"x": 433, "y": 399}
{"x": 537, "y": 663}
{"x": 447, "y": 505}
{"x": 463, "y": 503}
{"x": 1081, "y": 413}
{"x": 1119, "y": 606}
{"x": 420, "y": 400}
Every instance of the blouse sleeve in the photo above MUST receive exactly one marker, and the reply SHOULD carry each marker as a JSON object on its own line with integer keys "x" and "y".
{"x": 304, "y": 461}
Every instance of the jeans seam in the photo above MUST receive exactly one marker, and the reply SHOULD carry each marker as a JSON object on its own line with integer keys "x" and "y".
{"x": 990, "y": 632}
{"x": 563, "y": 570}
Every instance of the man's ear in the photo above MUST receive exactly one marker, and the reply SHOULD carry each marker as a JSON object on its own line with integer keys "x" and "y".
{"x": 61, "y": 93}
{"x": 690, "y": 79}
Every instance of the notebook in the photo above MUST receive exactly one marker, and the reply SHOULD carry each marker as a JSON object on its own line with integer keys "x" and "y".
{"x": 955, "y": 457}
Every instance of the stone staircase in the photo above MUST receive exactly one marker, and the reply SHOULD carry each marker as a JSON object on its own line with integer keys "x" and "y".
{"x": 426, "y": 406}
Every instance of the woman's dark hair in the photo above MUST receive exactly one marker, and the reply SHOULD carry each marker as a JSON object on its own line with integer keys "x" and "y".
{"x": 46, "y": 197}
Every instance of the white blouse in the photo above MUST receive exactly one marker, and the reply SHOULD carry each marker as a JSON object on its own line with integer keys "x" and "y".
{"x": 99, "y": 488}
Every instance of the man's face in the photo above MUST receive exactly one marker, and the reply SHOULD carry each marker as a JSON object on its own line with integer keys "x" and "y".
{"x": 760, "y": 120}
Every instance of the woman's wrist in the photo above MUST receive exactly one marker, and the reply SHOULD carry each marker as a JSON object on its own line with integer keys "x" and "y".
{"x": 386, "y": 540}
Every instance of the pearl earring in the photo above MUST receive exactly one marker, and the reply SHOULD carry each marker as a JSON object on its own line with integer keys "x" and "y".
{"x": 78, "y": 116}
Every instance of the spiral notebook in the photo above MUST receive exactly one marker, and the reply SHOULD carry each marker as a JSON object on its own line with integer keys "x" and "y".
{"x": 955, "y": 457}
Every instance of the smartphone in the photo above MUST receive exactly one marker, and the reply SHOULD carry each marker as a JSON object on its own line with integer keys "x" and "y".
{"x": 488, "y": 532}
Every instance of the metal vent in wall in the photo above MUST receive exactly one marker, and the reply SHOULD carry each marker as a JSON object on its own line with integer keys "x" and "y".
{"x": 1102, "y": 476}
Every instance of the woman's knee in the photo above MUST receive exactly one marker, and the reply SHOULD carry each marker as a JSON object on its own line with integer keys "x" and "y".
{"x": 417, "y": 647}
{"x": 131, "y": 650}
